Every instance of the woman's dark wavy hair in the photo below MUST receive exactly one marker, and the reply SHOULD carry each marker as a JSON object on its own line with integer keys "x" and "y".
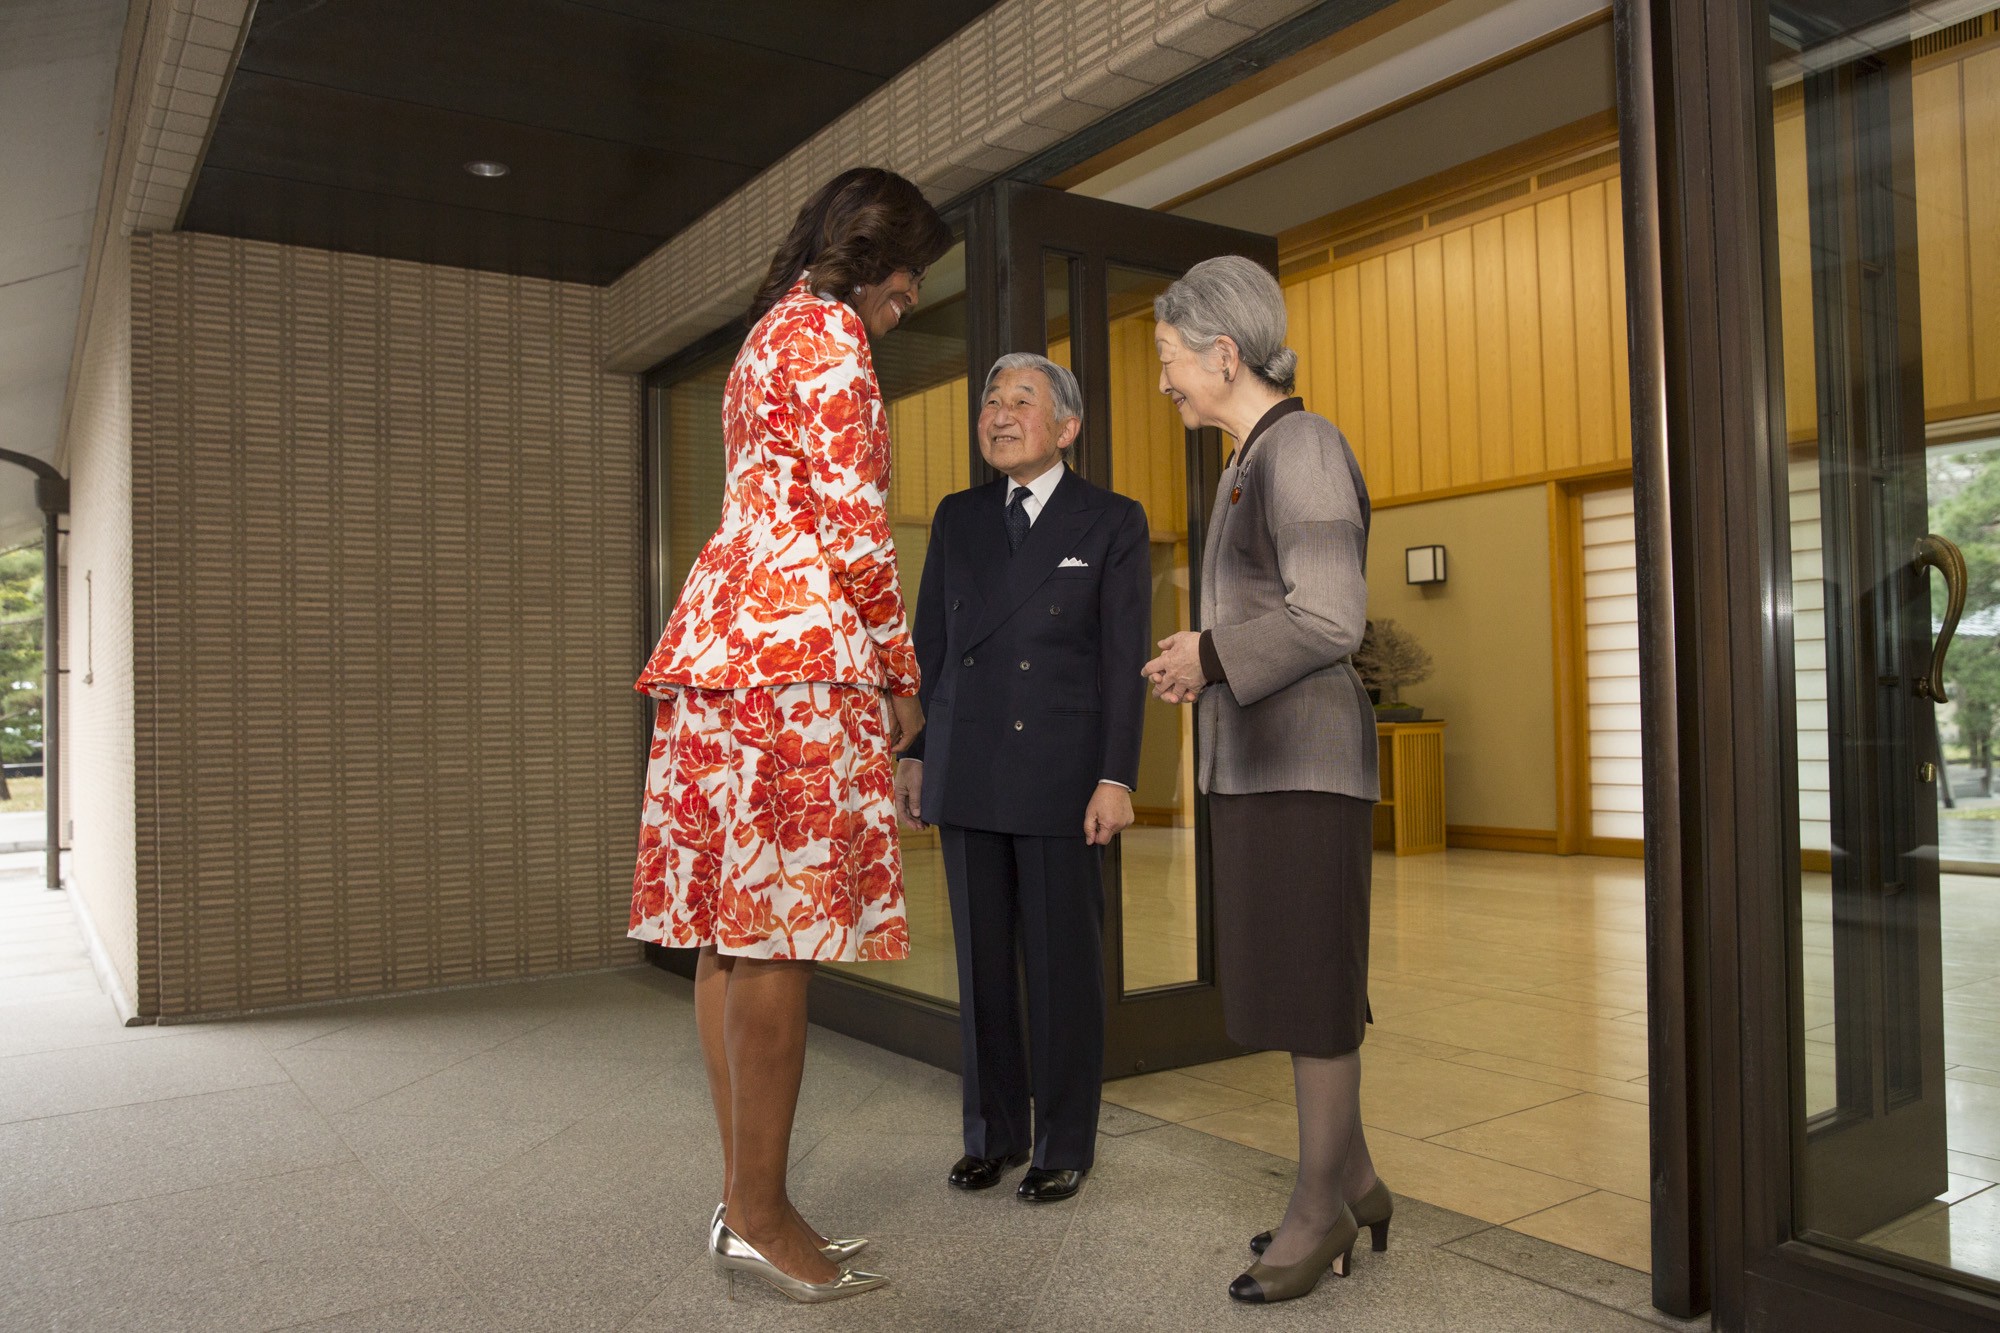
{"x": 863, "y": 225}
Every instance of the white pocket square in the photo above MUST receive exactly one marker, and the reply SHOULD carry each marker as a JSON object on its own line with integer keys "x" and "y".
{"x": 1073, "y": 563}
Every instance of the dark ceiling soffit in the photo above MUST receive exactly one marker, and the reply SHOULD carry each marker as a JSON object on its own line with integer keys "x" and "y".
{"x": 1198, "y": 84}
{"x": 1170, "y": 99}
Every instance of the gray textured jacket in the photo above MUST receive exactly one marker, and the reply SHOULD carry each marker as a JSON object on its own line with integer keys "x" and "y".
{"x": 1285, "y": 599}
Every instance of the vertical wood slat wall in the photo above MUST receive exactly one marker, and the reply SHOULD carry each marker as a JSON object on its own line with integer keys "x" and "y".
{"x": 1477, "y": 351}
{"x": 387, "y": 603}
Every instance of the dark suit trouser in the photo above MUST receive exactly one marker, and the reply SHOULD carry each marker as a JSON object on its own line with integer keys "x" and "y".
{"x": 1041, "y": 900}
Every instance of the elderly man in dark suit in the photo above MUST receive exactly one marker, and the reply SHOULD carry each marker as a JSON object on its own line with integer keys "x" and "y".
{"x": 1032, "y": 623}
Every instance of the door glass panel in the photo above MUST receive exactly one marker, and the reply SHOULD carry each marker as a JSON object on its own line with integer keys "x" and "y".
{"x": 1884, "y": 143}
{"x": 1149, "y": 462}
{"x": 922, "y": 367}
{"x": 693, "y": 468}
{"x": 1058, "y": 276}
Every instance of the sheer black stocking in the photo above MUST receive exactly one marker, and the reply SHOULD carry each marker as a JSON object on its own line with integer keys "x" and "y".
{"x": 1334, "y": 1165}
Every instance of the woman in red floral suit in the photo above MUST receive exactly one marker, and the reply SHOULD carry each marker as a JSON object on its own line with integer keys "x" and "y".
{"x": 786, "y": 680}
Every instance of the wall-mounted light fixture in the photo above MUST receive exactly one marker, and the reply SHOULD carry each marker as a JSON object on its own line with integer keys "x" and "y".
{"x": 1423, "y": 564}
{"x": 487, "y": 169}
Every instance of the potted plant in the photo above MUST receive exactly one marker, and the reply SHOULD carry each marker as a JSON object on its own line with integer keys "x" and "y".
{"x": 1388, "y": 659}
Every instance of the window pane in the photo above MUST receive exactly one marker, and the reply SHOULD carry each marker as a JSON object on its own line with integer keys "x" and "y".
{"x": 1149, "y": 462}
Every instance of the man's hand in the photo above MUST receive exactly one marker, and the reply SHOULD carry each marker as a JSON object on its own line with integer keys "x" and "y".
{"x": 1109, "y": 814}
{"x": 910, "y": 793}
{"x": 1176, "y": 674}
{"x": 906, "y": 719}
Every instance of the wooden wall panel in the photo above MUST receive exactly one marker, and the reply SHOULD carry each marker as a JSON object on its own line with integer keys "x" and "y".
{"x": 1432, "y": 363}
{"x": 1461, "y": 357}
{"x": 1597, "y": 438}
{"x": 1982, "y": 198}
{"x": 1555, "y": 264}
{"x": 1524, "y": 342}
{"x": 1483, "y": 352}
{"x": 1788, "y": 128}
{"x": 1941, "y": 231}
{"x": 1957, "y": 177}
{"x": 1496, "y": 376}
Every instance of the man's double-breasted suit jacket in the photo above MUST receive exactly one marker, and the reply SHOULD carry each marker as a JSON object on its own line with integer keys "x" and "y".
{"x": 1031, "y": 686}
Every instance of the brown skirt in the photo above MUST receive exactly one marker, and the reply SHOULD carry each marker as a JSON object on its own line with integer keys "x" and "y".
{"x": 1292, "y": 871}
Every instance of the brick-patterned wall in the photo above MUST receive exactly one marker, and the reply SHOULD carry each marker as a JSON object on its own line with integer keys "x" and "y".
{"x": 1022, "y": 76}
{"x": 387, "y": 574}
{"x": 97, "y": 696}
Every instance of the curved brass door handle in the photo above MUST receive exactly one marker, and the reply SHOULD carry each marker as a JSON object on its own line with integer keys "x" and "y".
{"x": 1948, "y": 560}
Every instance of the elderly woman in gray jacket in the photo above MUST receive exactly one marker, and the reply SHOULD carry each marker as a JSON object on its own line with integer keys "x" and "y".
{"x": 1287, "y": 745}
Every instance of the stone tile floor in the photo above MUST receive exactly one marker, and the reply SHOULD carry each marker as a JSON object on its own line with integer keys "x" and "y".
{"x": 540, "y": 1156}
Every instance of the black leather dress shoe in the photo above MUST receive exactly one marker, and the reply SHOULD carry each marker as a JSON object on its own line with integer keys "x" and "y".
{"x": 1042, "y": 1185}
{"x": 982, "y": 1173}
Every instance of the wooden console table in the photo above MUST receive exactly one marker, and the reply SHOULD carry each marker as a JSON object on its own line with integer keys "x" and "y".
{"x": 1410, "y": 817}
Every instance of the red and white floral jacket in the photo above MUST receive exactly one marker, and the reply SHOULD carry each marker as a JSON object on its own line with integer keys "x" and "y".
{"x": 798, "y": 584}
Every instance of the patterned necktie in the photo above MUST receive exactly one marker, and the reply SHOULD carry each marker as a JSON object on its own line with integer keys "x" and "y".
{"x": 1017, "y": 519}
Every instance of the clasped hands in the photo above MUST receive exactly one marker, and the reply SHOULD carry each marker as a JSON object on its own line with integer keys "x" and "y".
{"x": 1176, "y": 675}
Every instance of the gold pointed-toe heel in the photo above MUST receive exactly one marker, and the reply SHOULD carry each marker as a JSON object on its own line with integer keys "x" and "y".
{"x": 843, "y": 1251}
{"x": 838, "y": 1251}
{"x": 1372, "y": 1210}
{"x": 735, "y": 1255}
{"x": 1262, "y": 1283}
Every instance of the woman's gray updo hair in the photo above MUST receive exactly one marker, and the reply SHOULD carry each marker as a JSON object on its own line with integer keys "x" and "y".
{"x": 1238, "y": 297}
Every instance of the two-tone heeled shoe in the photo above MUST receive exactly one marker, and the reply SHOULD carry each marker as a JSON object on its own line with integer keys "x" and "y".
{"x": 735, "y": 1255}
{"x": 1372, "y": 1210}
{"x": 1262, "y": 1283}
{"x": 839, "y": 1251}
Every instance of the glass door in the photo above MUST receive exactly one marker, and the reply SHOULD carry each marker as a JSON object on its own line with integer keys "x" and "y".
{"x": 1077, "y": 278}
{"x": 1882, "y": 223}
{"x": 1863, "y": 211}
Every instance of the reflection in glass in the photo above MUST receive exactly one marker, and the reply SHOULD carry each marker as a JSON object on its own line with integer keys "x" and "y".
{"x": 1149, "y": 461}
{"x": 922, "y": 369}
{"x": 1887, "y": 224}
{"x": 694, "y": 466}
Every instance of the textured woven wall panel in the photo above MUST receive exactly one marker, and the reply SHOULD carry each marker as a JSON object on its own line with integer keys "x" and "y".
{"x": 389, "y": 516}
{"x": 98, "y": 760}
{"x": 1010, "y": 83}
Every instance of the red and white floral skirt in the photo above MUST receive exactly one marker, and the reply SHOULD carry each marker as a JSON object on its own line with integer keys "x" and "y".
{"x": 769, "y": 828}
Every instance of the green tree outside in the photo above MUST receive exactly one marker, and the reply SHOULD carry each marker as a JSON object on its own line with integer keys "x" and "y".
{"x": 21, "y": 629}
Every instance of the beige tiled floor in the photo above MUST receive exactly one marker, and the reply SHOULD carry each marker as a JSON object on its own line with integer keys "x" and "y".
{"x": 1506, "y": 1075}
{"x": 1502, "y": 1078}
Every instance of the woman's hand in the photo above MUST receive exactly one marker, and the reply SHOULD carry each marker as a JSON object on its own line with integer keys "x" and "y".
{"x": 906, "y": 719}
{"x": 1176, "y": 674}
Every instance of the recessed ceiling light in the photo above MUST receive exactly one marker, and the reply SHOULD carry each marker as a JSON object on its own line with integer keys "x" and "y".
{"x": 484, "y": 168}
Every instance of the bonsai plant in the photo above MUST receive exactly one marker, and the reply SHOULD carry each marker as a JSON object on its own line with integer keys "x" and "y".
{"x": 1388, "y": 659}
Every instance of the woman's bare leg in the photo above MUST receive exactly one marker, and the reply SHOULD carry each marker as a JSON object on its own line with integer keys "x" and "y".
{"x": 765, "y": 1034}
{"x": 711, "y": 998}
{"x": 711, "y": 991}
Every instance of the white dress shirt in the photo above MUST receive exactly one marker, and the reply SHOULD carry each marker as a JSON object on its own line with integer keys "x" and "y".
{"x": 1039, "y": 490}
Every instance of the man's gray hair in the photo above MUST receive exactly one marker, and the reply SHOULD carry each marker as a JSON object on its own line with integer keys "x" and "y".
{"x": 1062, "y": 385}
{"x": 1238, "y": 297}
